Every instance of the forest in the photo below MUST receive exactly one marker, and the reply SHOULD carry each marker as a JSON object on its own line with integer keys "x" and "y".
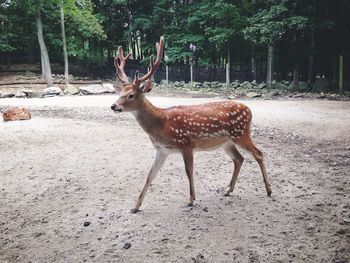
{"x": 295, "y": 40}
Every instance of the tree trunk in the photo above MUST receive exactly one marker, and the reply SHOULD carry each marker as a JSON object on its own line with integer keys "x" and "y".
{"x": 310, "y": 73}
{"x": 296, "y": 73}
{"x": 43, "y": 68}
{"x": 296, "y": 63}
{"x": 45, "y": 62}
{"x": 334, "y": 68}
{"x": 341, "y": 69}
{"x": 269, "y": 65}
{"x": 133, "y": 48}
{"x": 138, "y": 48}
{"x": 65, "y": 55}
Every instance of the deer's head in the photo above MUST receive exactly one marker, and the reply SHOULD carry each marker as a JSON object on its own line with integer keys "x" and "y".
{"x": 131, "y": 94}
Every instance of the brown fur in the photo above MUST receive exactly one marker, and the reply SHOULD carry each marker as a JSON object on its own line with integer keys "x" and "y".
{"x": 184, "y": 129}
{"x": 15, "y": 114}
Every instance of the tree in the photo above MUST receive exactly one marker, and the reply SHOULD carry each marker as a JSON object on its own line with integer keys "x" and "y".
{"x": 65, "y": 54}
{"x": 85, "y": 31}
{"x": 303, "y": 37}
{"x": 45, "y": 61}
{"x": 265, "y": 28}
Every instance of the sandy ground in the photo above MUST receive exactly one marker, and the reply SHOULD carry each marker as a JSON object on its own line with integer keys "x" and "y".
{"x": 77, "y": 162}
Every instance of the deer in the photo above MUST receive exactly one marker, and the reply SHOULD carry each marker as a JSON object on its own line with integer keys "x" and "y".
{"x": 222, "y": 124}
{"x": 16, "y": 114}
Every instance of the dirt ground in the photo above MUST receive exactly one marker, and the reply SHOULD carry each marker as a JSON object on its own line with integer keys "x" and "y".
{"x": 71, "y": 174}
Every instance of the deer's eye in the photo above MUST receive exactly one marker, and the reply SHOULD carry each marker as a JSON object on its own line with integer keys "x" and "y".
{"x": 131, "y": 96}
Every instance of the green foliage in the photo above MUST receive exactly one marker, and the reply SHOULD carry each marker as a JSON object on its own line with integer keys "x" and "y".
{"x": 83, "y": 28}
{"x": 82, "y": 21}
{"x": 6, "y": 35}
{"x": 95, "y": 29}
{"x": 267, "y": 26}
{"x": 220, "y": 21}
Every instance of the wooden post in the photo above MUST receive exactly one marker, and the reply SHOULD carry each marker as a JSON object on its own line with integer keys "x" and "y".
{"x": 228, "y": 69}
{"x": 167, "y": 74}
{"x": 269, "y": 65}
{"x": 341, "y": 68}
{"x": 191, "y": 65}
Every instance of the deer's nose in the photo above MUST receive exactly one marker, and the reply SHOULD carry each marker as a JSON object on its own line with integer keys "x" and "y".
{"x": 114, "y": 107}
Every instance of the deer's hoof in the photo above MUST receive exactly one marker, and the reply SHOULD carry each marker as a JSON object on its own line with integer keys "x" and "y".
{"x": 134, "y": 210}
{"x": 190, "y": 204}
{"x": 227, "y": 194}
{"x": 269, "y": 193}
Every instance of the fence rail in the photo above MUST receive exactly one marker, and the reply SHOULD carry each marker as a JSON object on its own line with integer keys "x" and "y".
{"x": 201, "y": 74}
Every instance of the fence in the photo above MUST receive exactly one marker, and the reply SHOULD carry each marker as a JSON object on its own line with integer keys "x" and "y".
{"x": 238, "y": 71}
{"x": 241, "y": 72}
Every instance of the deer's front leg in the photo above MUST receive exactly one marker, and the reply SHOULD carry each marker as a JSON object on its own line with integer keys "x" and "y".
{"x": 157, "y": 164}
{"x": 187, "y": 155}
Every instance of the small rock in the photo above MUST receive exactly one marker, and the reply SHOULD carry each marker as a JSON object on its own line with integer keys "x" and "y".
{"x": 87, "y": 223}
{"x": 299, "y": 95}
{"x": 253, "y": 95}
{"x": 127, "y": 245}
{"x": 71, "y": 90}
{"x": 321, "y": 96}
{"x": 20, "y": 94}
{"x": 27, "y": 91}
{"x": 341, "y": 231}
{"x": 285, "y": 82}
{"x": 35, "y": 94}
{"x": 346, "y": 220}
{"x": 51, "y": 91}
{"x": 109, "y": 88}
{"x": 7, "y": 95}
{"x": 262, "y": 86}
{"x": 38, "y": 234}
{"x": 273, "y": 93}
{"x": 92, "y": 89}
{"x": 279, "y": 86}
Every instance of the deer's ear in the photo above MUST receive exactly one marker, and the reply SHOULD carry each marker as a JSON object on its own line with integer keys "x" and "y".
{"x": 146, "y": 87}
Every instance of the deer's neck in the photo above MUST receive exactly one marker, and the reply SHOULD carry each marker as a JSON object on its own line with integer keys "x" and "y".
{"x": 149, "y": 116}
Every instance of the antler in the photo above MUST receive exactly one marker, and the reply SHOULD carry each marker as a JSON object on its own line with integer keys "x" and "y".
{"x": 154, "y": 65}
{"x": 119, "y": 63}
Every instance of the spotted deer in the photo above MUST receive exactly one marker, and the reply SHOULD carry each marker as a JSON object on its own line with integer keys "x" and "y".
{"x": 183, "y": 129}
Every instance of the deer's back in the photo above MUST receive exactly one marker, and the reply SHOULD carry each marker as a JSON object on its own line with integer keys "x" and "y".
{"x": 207, "y": 125}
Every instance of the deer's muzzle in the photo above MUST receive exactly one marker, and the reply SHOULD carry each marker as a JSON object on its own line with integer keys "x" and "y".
{"x": 115, "y": 108}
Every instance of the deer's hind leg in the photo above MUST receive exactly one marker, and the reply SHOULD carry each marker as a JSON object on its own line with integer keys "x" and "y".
{"x": 246, "y": 143}
{"x": 237, "y": 159}
{"x": 187, "y": 155}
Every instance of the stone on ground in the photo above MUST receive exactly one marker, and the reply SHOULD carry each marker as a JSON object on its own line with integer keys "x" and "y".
{"x": 71, "y": 90}
{"x": 51, "y": 91}
{"x": 96, "y": 89}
